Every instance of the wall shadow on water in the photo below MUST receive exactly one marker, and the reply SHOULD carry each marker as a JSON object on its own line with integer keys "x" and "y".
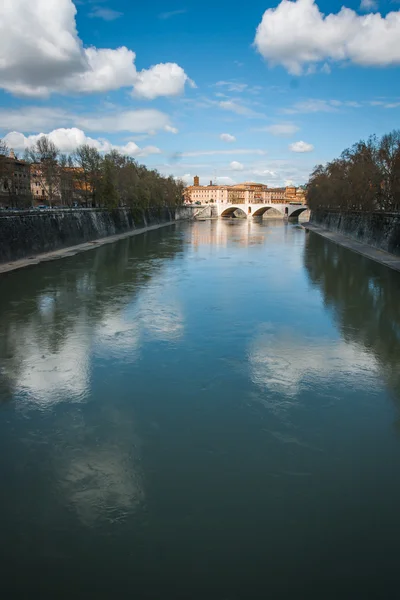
{"x": 77, "y": 464}
{"x": 363, "y": 297}
{"x": 42, "y": 306}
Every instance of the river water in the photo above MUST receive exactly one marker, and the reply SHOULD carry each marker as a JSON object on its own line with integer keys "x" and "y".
{"x": 205, "y": 411}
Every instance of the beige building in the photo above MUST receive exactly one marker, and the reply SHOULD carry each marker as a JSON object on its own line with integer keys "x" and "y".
{"x": 59, "y": 186}
{"x": 38, "y": 185}
{"x": 247, "y": 192}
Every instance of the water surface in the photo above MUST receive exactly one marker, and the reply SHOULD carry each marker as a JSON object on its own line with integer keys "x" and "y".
{"x": 206, "y": 411}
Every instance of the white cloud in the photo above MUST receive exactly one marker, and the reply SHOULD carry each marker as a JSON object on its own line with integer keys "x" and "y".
{"x": 368, "y": 5}
{"x": 36, "y": 118}
{"x": 301, "y": 147}
{"x": 236, "y": 166}
{"x": 186, "y": 178}
{"x": 239, "y": 109}
{"x": 281, "y": 129}
{"x": 138, "y": 121}
{"x": 172, "y": 13}
{"x": 315, "y": 105}
{"x": 325, "y": 69}
{"x": 227, "y": 137}
{"x": 216, "y": 152}
{"x": 107, "y": 70}
{"x": 232, "y": 86}
{"x": 171, "y": 129}
{"x": 264, "y": 173}
{"x": 225, "y": 181}
{"x": 32, "y": 118}
{"x": 68, "y": 139}
{"x": 107, "y": 14}
{"x": 296, "y": 35}
{"x": 41, "y": 53}
{"x": 167, "y": 79}
{"x": 311, "y": 106}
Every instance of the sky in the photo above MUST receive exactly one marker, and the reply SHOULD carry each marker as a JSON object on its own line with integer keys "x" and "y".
{"x": 260, "y": 91}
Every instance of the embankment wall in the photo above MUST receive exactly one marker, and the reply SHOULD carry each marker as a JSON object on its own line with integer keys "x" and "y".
{"x": 33, "y": 233}
{"x": 377, "y": 229}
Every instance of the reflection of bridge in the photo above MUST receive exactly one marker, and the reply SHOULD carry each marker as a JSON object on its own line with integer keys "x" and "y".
{"x": 258, "y": 210}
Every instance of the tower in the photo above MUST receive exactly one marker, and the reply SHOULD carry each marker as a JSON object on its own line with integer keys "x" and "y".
{"x": 196, "y": 181}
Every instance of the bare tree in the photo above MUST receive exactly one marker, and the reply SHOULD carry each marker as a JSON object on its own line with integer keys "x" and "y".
{"x": 112, "y": 180}
{"x": 4, "y": 151}
{"x": 88, "y": 163}
{"x": 43, "y": 155}
{"x": 7, "y": 184}
{"x": 67, "y": 179}
{"x": 365, "y": 177}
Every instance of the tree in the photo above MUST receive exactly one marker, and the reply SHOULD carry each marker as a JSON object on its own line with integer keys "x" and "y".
{"x": 43, "y": 155}
{"x": 5, "y": 174}
{"x": 67, "y": 179}
{"x": 112, "y": 180}
{"x": 109, "y": 194}
{"x": 365, "y": 177}
{"x": 4, "y": 151}
{"x": 388, "y": 156}
{"x": 88, "y": 163}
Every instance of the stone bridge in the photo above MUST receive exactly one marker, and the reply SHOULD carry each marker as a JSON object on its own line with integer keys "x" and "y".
{"x": 223, "y": 209}
{"x": 258, "y": 210}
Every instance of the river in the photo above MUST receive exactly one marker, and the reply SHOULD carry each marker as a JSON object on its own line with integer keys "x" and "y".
{"x": 206, "y": 411}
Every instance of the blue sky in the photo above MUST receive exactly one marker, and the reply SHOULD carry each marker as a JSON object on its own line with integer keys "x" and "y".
{"x": 194, "y": 89}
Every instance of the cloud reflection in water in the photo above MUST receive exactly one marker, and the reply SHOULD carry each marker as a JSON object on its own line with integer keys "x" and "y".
{"x": 281, "y": 363}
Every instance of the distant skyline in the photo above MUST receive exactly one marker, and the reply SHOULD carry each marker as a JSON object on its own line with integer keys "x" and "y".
{"x": 263, "y": 91}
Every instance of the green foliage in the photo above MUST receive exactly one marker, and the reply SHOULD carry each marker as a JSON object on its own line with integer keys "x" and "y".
{"x": 365, "y": 177}
{"x": 109, "y": 196}
{"x": 113, "y": 180}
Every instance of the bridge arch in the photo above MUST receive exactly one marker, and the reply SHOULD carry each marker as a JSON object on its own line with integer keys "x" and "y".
{"x": 298, "y": 212}
{"x": 230, "y": 211}
{"x": 272, "y": 211}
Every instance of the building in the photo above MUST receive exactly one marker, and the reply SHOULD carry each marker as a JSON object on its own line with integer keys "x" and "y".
{"x": 75, "y": 186}
{"x": 247, "y": 192}
{"x": 38, "y": 184}
{"x": 15, "y": 186}
{"x": 205, "y": 193}
{"x": 59, "y": 186}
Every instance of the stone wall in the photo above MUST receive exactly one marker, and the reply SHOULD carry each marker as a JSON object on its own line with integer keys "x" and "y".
{"x": 380, "y": 230}
{"x": 32, "y": 233}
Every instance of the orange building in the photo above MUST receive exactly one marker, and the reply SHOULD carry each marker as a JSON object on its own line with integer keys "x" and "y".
{"x": 247, "y": 192}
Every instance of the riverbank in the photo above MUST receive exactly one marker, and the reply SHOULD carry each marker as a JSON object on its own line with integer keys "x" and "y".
{"x": 72, "y": 250}
{"x": 385, "y": 258}
{"x": 30, "y": 237}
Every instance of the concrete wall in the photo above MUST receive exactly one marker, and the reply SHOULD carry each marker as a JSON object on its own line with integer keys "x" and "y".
{"x": 29, "y": 234}
{"x": 380, "y": 230}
